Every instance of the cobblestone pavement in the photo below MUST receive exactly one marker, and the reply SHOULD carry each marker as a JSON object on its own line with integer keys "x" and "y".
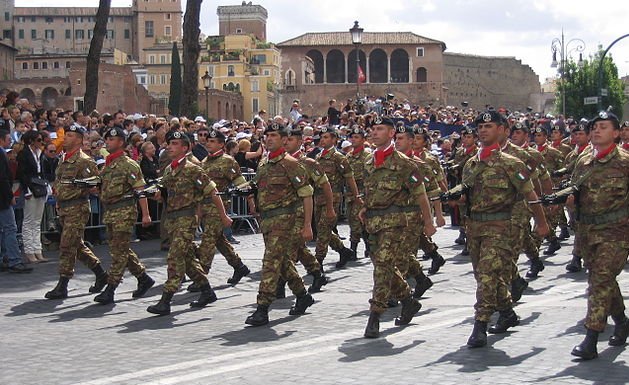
{"x": 76, "y": 341}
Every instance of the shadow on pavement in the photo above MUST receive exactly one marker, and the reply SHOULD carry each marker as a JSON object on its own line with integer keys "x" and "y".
{"x": 154, "y": 322}
{"x": 252, "y": 334}
{"x": 40, "y": 306}
{"x": 87, "y": 312}
{"x": 604, "y": 370}
{"x": 358, "y": 349}
{"x": 482, "y": 359}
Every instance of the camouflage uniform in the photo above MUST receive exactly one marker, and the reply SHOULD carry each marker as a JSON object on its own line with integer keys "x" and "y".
{"x": 603, "y": 221}
{"x": 495, "y": 184}
{"x": 222, "y": 170}
{"x": 553, "y": 161}
{"x": 282, "y": 185}
{"x": 461, "y": 156}
{"x": 414, "y": 232}
{"x": 357, "y": 162}
{"x": 187, "y": 185}
{"x": 74, "y": 212}
{"x": 434, "y": 173}
{"x": 120, "y": 179}
{"x": 392, "y": 191}
{"x": 337, "y": 169}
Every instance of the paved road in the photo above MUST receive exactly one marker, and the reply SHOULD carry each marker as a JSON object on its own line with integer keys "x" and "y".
{"x": 78, "y": 342}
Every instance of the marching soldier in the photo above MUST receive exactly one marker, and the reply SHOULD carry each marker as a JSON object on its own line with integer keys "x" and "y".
{"x": 121, "y": 178}
{"x": 556, "y": 137}
{"x": 187, "y": 185}
{"x": 357, "y": 158}
{"x": 602, "y": 205}
{"x": 73, "y": 208}
{"x": 494, "y": 181}
{"x": 285, "y": 206}
{"x": 624, "y": 136}
{"x": 222, "y": 170}
{"x": 393, "y": 188}
{"x": 339, "y": 172}
{"x": 468, "y": 149}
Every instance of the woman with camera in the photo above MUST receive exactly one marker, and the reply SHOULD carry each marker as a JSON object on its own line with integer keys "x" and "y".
{"x": 35, "y": 190}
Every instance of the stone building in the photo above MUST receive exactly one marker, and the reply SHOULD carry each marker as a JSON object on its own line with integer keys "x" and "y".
{"x": 7, "y": 60}
{"x": 320, "y": 66}
{"x": 243, "y": 19}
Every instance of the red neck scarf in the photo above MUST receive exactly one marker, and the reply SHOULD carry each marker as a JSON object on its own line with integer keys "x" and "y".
{"x": 381, "y": 155}
{"x": 358, "y": 150}
{"x": 409, "y": 153}
{"x": 113, "y": 156}
{"x": 326, "y": 151}
{"x": 175, "y": 163}
{"x": 607, "y": 151}
{"x": 557, "y": 143}
{"x": 419, "y": 152}
{"x": 276, "y": 153}
{"x": 216, "y": 154}
{"x": 469, "y": 150}
{"x": 485, "y": 152}
{"x": 296, "y": 154}
{"x": 581, "y": 148}
{"x": 69, "y": 155}
{"x": 541, "y": 148}
{"x": 626, "y": 146}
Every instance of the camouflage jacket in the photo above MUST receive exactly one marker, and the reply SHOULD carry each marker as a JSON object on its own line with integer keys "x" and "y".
{"x": 223, "y": 170}
{"x": 337, "y": 169}
{"x": 316, "y": 175}
{"x": 187, "y": 185}
{"x": 78, "y": 166}
{"x": 357, "y": 164}
{"x": 553, "y": 159}
{"x": 433, "y": 162}
{"x": 119, "y": 179}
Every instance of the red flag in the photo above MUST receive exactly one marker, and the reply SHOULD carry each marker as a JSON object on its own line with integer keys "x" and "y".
{"x": 361, "y": 75}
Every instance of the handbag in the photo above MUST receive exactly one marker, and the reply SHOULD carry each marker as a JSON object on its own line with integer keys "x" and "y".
{"x": 38, "y": 186}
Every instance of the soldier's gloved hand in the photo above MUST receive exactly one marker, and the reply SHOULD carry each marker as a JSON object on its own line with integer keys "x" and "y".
{"x": 559, "y": 173}
{"x": 553, "y": 199}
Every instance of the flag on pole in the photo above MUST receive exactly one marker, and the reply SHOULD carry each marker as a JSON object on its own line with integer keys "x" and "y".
{"x": 361, "y": 75}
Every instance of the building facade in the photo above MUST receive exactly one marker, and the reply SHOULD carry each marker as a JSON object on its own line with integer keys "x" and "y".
{"x": 244, "y": 19}
{"x": 7, "y": 61}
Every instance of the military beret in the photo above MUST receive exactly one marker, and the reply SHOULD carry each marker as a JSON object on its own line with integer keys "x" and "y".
{"x": 604, "y": 115}
{"x": 384, "y": 121}
{"x": 295, "y": 132}
{"x": 625, "y": 123}
{"x": 421, "y": 130}
{"x": 216, "y": 134}
{"x": 276, "y": 127}
{"x": 327, "y": 130}
{"x": 401, "y": 128}
{"x": 177, "y": 135}
{"x": 556, "y": 127}
{"x": 467, "y": 130}
{"x": 489, "y": 116}
{"x": 116, "y": 132}
{"x": 76, "y": 128}
{"x": 540, "y": 130}
{"x": 356, "y": 129}
{"x": 520, "y": 126}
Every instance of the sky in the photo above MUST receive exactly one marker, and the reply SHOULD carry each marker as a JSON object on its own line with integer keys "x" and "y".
{"x": 520, "y": 28}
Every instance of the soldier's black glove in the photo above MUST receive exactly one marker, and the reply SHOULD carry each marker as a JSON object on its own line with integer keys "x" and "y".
{"x": 559, "y": 173}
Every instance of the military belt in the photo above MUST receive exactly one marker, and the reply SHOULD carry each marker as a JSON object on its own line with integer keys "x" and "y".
{"x": 488, "y": 217}
{"x": 290, "y": 209}
{"x": 393, "y": 209}
{"x": 125, "y": 201}
{"x": 603, "y": 219}
{"x": 187, "y": 212}
{"x": 72, "y": 202}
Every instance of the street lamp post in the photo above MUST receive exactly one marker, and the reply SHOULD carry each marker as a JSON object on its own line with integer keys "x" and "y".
{"x": 206, "y": 84}
{"x": 561, "y": 45}
{"x": 600, "y": 71}
{"x": 357, "y": 37}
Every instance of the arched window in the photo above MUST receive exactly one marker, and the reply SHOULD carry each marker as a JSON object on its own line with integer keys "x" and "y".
{"x": 290, "y": 77}
{"x": 226, "y": 111}
{"x": 422, "y": 75}
{"x": 378, "y": 66}
{"x": 351, "y": 65}
{"x": 335, "y": 66}
{"x": 399, "y": 66}
{"x": 49, "y": 97}
{"x": 317, "y": 60}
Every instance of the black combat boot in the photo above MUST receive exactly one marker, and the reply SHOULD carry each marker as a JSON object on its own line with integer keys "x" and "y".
{"x": 437, "y": 262}
{"x": 280, "y": 292}
{"x": 304, "y": 301}
{"x": 194, "y": 288}
{"x": 353, "y": 246}
{"x": 366, "y": 241}
{"x": 392, "y": 302}
{"x": 564, "y": 234}
{"x": 621, "y": 331}
{"x": 163, "y": 306}
{"x": 553, "y": 246}
{"x": 479, "y": 335}
{"x": 575, "y": 265}
{"x": 536, "y": 266}
{"x": 101, "y": 279}
{"x": 461, "y": 239}
{"x": 373, "y": 326}
{"x": 517, "y": 288}
{"x": 423, "y": 283}
{"x": 259, "y": 317}
{"x": 239, "y": 272}
{"x": 465, "y": 250}
{"x": 410, "y": 307}
{"x": 318, "y": 281}
{"x": 106, "y": 296}
{"x": 507, "y": 319}
{"x": 207, "y": 297}
{"x": 145, "y": 282}
{"x": 346, "y": 255}
{"x": 587, "y": 349}
{"x": 60, "y": 291}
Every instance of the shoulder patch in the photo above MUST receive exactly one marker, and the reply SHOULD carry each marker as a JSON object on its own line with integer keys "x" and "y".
{"x": 522, "y": 175}
{"x": 415, "y": 177}
{"x": 297, "y": 179}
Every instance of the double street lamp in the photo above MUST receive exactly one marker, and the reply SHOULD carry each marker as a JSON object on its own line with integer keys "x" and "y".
{"x": 207, "y": 79}
{"x": 357, "y": 37}
{"x": 563, "y": 47}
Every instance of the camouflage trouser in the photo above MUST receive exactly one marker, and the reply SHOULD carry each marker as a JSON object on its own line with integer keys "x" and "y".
{"x": 410, "y": 246}
{"x": 492, "y": 260}
{"x": 307, "y": 259}
{"x": 562, "y": 220}
{"x": 325, "y": 235}
{"x": 356, "y": 228}
{"x": 553, "y": 221}
{"x": 71, "y": 246}
{"x": 181, "y": 255}
{"x": 212, "y": 239}
{"x": 388, "y": 263}
{"x": 576, "y": 247}
{"x": 521, "y": 231}
{"x": 280, "y": 246}
{"x": 426, "y": 244}
{"x": 605, "y": 255}
{"x": 120, "y": 224}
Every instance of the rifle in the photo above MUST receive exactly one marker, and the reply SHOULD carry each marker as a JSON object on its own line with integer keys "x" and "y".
{"x": 559, "y": 197}
{"x": 151, "y": 188}
{"x": 453, "y": 194}
{"x": 90, "y": 182}
{"x": 559, "y": 173}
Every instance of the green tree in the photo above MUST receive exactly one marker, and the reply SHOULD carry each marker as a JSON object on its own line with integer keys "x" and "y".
{"x": 174, "y": 102}
{"x": 581, "y": 81}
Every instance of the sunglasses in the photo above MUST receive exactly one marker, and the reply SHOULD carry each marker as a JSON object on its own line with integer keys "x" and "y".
{"x": 202, "y": 134}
